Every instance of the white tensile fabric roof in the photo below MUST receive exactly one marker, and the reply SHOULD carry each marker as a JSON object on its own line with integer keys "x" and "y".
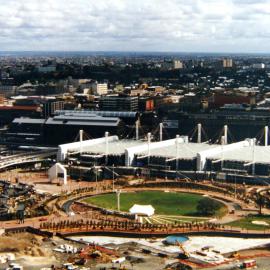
{"x": 257, "y": 154}
{"x": 116, "y": 147}
{"x": 147, "y": 210}
{"x": 186, "y": 150}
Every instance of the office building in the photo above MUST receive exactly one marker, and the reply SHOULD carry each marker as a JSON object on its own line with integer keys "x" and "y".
{"x": 99, "y": 89}
{"x": 118, "y": 103}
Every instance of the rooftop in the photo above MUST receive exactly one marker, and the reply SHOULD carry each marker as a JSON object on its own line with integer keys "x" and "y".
{"x": 23, "y": 120}
{"x": 185, "y": 150}
{"x": 258, "y": 154}
{"x": 87, "y": 113}
{"x": 85, "y": 120}
{"x": 114, "y": 147}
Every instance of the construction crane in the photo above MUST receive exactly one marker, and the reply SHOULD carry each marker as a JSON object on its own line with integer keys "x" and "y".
{"x": 184, "y": 254}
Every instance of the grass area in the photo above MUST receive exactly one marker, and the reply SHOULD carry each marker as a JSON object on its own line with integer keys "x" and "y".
{"x": 223, "y": 210}
{"x": 246, "y": 223}
{"x": 165, "y": 203}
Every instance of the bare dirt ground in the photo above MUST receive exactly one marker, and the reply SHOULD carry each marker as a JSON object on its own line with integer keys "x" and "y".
{"x": 41, "y": 182}
{"x": 35, "y": 252}
{"x": 28, "y": 250}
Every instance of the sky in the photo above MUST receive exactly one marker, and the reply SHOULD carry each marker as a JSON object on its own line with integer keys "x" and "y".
{"x": 135, "y": 25}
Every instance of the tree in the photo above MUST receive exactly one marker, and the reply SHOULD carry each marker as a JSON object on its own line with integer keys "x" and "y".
{"x": 207, "y": 207}
{"x": 260, "y": 201}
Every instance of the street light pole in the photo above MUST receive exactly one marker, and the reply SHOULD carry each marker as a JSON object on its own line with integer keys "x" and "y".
{"x": 118, "y": 192}
{"x": 96, "y": 178}
{"x": 113, "y": 179}
{"x": 235, "y": 184}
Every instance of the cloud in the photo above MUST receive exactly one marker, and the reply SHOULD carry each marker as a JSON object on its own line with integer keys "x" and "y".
{"x": 155, "y": 25}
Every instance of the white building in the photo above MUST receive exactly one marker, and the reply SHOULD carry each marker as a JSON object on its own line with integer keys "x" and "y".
{"x": 99, "y": 88}
{"x": 177, "y": 64}
{"x": 58, "y": 171}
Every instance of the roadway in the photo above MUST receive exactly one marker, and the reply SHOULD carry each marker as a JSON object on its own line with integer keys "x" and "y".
{"x": 23, "y": 158}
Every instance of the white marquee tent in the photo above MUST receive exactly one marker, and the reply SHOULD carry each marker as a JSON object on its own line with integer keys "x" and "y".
{"x": 145, "y": 210}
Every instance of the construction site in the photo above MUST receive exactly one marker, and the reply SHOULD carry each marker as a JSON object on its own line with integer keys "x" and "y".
{"x": 110, "y": 203}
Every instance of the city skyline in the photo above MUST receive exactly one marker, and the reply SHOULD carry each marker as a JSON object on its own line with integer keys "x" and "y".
{"x": 229, "y": 26}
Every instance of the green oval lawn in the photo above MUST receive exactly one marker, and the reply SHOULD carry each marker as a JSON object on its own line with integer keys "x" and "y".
{"x": 165, "y": 203}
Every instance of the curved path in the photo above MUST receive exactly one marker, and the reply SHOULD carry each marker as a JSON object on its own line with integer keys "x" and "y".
{"x": 238, "y": 208}
{"x": 59, "y": 215}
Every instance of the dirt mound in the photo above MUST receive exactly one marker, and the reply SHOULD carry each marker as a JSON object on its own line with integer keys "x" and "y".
{"x": 21, "y": 243}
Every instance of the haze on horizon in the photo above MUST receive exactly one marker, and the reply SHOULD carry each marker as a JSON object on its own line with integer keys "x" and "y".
{"x": 143, "y": 25}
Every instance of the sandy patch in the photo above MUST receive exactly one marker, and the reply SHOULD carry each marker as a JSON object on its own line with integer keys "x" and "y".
{"x": 257, "y": 222}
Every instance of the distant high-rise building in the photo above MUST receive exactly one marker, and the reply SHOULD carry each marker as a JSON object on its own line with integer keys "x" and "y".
{"x": 174, "y": 64}
{"x": 227, "y": 63}
{"x": 177, "y": 64}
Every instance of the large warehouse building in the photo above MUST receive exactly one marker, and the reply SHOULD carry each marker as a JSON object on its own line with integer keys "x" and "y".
{"x": 64, "y": 126}
{"x": 243, "y": 158}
